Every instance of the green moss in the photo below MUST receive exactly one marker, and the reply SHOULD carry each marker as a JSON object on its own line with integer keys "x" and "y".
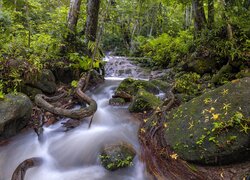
{"x": 163, "y": 86}
{"x": 215, "y": 125}
{"x": 144, "y": 101}
{"x": 132, "y": 86}
{"x": 117, "y": 101}
{"x": 117, "y": 156}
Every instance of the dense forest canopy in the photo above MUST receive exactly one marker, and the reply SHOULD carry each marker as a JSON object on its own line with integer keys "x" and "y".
{"x": 40, "y": 33}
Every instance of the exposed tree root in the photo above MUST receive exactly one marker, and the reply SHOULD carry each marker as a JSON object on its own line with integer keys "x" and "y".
{"x": 20, "y": 171}
{"x": 161, "y": 162}
{"x": 43, "y": 102}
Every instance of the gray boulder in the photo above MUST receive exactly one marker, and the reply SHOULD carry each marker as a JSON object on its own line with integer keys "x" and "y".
{"x": 116, "y": 156}
{"x": 15, "y": 113}
{"x": 45, "y": 82}
{"x": 213, "y": 128}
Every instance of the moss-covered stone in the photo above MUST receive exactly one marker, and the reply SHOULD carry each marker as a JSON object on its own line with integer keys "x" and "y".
{"x": 144, "y": 101}
{"x": 213, "y": 128}
{"x": 202, "y": 66}
{"x": 117, "y": 101}
{"x": 223, "y": 75}
{"x": 45, "y": 81}
{"x": 162, "y": 85}
{"x": 31, "y": 91}
{"x": 132, "y": 86}
{"x": 15, "y": 113}
{"x": 117, "y": 156}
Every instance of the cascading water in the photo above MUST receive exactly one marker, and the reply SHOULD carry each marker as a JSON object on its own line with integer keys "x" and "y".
{"x": 73, "y": 155}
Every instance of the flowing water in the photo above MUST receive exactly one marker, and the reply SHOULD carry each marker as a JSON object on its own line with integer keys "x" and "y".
{"x": 73, "y": 155}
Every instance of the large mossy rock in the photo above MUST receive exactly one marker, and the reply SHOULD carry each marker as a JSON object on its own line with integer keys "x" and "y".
{"x": 15, "y": 113}
{"x": 132, "y": 86}
{"x": 202, "y": 66}
{"x": 45, "y": 82}
{"x": 213, "y": 128}
{"x": 144, "y": 101}
{"x": 117, "y": 156}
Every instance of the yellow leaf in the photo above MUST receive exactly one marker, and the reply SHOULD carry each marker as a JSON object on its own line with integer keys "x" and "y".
{"x": 224, "y": 92}
{"x": 174, "y": 156}
{"x": 165, "y": 125}
{"x": 215, "y": 116}
{"x": 143, "y": 130}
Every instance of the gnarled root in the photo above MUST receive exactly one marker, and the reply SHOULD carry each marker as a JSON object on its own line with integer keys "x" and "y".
{"x": 20, "y": 171}
{"x": 160, "y": 161}
{"x": 42, "y": 101}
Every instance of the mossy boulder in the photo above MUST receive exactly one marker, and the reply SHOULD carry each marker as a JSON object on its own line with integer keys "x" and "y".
{"x": 144, "y": 101}
{"x": 213, "y": 128}
{"x": 162, "y": 85}
{"x": 45, "y": 82}
{"x": 15, "y": 113}
{"x": 117, "y": 101}
{"x": 31, "y": 91}
{"x": 223, "y": 75}
{"x": 202, "y": 66}
{"x": 116, "y": 156}
{"x": 132, "y": 86}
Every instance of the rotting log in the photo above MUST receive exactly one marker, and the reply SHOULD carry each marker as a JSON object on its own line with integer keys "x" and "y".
{"x": 21, "y": 169}
{"x": 42, "y": 101}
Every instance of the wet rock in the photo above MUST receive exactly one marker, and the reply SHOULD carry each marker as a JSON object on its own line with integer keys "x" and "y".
{"x": 117, "y": 156}
{"x": 15, "y": 113}
{"x": 45, "y": 82}
{"x": 132, "y": 86}
{"x": 162, "y": 85}
{"x": 31, "y": 91}
{"x": 121, "y": 94}
{"x": 213, "y": 128}
{"x": 117, "y": 101}
{"x": 202, "y": 66}
{"x": 144, "y": 101}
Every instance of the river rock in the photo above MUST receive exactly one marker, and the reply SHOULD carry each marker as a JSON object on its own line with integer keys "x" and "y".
{"x": 45, "y": 82}
{"x": 31, "y": 91}
{"x": 117, "y": 101}
{"x": 132, "y": 86}
{"x": 213, "y": 128}
{"x": 202, "y": 66}
{"x": 116, "y": 156}
{"x": 144, "y": 101}
{"x": 15, "y": 113}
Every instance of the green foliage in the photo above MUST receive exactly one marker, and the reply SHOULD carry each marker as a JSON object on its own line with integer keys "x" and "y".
{"x": 188, "y": 83}
{"x": 74, "y": 84}
{"x": 117, "y": 163}
{"x": 1, "y": 90}
{"x": 166, "y": 49}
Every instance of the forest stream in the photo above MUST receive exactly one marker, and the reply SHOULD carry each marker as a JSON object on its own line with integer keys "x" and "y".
{"x": 75, "y": 154}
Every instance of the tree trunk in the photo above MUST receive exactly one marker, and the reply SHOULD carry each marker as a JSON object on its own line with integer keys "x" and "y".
{"x": 92, "y": 19}
{"x": 73, "y": 15}
{"x": 210, "y": 13}
{"x": 225, "y": 6}
{"x": 199, "y": 16}
{"x": 188, "y": 16}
